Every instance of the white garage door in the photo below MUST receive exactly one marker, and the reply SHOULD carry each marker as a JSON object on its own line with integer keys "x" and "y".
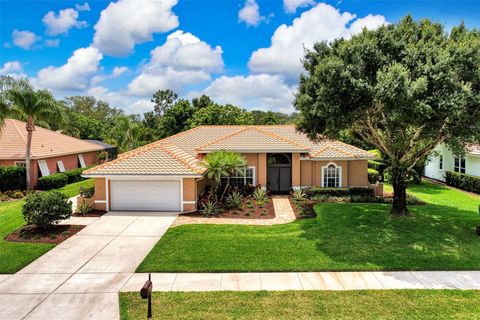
{"x": 145, "y": 195}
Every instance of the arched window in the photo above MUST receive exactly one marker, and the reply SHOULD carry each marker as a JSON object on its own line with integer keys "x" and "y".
{"x": 278, "y": 158}
{"x": 332, "y": 176}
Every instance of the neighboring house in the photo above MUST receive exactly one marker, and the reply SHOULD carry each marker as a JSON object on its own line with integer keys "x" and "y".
{"x": 167, "y": 176}
{"x": 444, "y": 160}
{"x": 112, "y": 151}
{"x": 51, "y": 151}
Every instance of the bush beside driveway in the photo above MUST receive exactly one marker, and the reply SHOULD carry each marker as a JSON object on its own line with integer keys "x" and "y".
{"x": 344, "y": 237}
{"x": 15, "y": 255}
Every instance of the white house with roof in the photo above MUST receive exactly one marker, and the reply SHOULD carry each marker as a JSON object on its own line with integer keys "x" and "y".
{"x": 444, "y": 160}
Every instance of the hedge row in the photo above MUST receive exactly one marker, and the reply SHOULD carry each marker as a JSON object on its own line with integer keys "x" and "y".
{"x": 339, "y": 192}
{"x": 59, "y": 180}
{"x": 12, "y": 178}
{"x": 463, "y": 181}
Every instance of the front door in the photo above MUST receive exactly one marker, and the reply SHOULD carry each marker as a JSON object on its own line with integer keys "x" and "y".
{"x": 279, "y": 173}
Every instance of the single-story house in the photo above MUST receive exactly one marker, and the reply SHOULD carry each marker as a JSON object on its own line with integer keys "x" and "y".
{"x": 51, "y": 151}
{"x": 111, "y": 151}
{"x": 167, "y": 175}
{"x": 443, "y": 159}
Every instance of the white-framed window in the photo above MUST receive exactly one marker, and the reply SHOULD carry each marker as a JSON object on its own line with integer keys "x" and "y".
{"x": 81, "y": 161}
{"x": 242, "y": 180}
{"x": 332, "y": 176}
{"x": 60, "y": 166}
{"x": 20, "y": 163}
{"x": 459, "y": 165}
{"x": 42, "y": 164}
{"x": 440, "y": 162}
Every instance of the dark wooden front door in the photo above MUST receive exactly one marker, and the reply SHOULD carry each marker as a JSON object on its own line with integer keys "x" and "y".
{"x": 279, "y": 173}
{"x": 279, "y": 179}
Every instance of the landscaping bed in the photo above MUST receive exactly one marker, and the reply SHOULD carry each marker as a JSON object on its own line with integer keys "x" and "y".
{"x": 249, "y": 210}
{"x": 91, "y": 214}
{"x": 54, "y": 234}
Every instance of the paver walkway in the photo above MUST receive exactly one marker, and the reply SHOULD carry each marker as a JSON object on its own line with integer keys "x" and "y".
{"x": 80, "y": 278}
{"x": 283, "y": 214}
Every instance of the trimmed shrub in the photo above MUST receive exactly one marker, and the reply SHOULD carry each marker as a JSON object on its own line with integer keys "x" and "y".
{"x": 373, "y": 176}
{"x": 54, "y": 181}
{"x": 463, "y": 181}
{"x": 74, "y": 175}
{"x": 339, "y": 192}
{"x": 12, "y": 178}
{"x": 87, "y": 192}
{"x": 46, "y": 208}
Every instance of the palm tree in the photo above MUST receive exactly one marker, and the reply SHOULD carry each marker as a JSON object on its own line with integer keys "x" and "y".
{"x": 223, "y": 163}
{"x": 33, "y": 106}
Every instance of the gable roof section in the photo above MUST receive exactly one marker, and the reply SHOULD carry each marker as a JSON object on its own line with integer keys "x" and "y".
{"x": 153, "y": 159}
{"x": 45, "y": 143}
{"x": 253, "y": 139}
{"x": 178, "y": 154}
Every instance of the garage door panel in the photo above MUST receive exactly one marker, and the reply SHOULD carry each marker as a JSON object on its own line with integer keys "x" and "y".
{"x": 145, "y": 195}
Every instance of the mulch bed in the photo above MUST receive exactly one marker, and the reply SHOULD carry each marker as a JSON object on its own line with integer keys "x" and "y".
{"x": 91, "y": 214}
{"x": 267, "y": 212}
{"x": 297, "y": 212}
{"x": 55, "y": 234}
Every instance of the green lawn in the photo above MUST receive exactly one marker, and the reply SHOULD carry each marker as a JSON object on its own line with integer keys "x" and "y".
{"x": 437, "y": 236}
{"x": 387, "y": 304}
{"x": 15, "y": 255}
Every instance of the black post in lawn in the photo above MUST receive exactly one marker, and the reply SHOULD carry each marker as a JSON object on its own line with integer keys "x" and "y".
{"x": 146, "y": 293}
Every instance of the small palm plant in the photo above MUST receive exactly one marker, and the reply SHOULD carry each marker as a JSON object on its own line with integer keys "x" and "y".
{"x": 223, "y": 163}
{"x": 260, "y": 196}
{"x": 299, "y": 195}
{"x": 210, "y": 208}
{"x": 234, "y": 200}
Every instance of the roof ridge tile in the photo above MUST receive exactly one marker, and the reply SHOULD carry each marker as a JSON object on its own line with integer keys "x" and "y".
{"x": 275, "y": 135}
{"x": 182, "y": 161}
{"x": 222, "y": 138}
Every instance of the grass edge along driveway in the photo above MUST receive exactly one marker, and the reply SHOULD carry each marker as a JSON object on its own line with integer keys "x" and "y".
{"x": 380, "y": 304}
{"x": 344, "y": 237}
{"x": 16, "y": 255}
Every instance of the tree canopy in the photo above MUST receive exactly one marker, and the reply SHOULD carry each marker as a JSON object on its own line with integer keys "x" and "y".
{"x": 403, "y": 88}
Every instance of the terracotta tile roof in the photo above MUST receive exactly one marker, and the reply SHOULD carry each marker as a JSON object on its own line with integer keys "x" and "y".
{"x": 45, "y": 143}
{"x": 473, "y": 148}
{"x": 178, "y": 154}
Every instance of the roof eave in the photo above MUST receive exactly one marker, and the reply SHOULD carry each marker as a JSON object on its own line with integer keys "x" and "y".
{"x": 337, "y": 158}
{"x": 258, "y": 151}
{"x": 131, "y": 175}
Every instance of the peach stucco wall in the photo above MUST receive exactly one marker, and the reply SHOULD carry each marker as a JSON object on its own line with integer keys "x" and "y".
{"x": 69, "y": 162}
{"x": 296, "y": 170}
{"x": 100, "y": 194}
{"x": 354, "y": 173}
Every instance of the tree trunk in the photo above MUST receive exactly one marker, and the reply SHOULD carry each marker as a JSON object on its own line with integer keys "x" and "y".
{"x": 227, "y": 185}
{"x": 399, "y": 206}
{"x": 30, "y": 128}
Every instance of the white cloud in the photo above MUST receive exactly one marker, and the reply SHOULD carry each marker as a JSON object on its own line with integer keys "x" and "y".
{"x": 260, "y": 91}
{"x": 291, "y": 6}
{"x": 120, "y": 99}
{"x": 62, "y": 22}
{"x": 11, "y": 66}
{"x": 182, "y": 60}
{"x": 118, "y": 71}
{"x": 53, "y": 43}
{"x": 13, "y": 69}
{"x": 24, "y": 39}
{"x": 322, "y": 22}
{"x": 250, "y": 13}
{"x": 73, "y": 75}
{"x": 127, "y": 22}
{"x": 82, "y": 7}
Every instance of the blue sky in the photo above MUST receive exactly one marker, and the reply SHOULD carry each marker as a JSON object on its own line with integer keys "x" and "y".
{"x": 243, "y": 52}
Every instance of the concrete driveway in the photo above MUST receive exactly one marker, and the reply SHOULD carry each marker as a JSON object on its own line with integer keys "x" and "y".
{"x": 80, "y": 278}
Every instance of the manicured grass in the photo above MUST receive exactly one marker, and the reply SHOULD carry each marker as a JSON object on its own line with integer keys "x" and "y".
{"x": 387, "y": 304}
{"x": 346, "y": 236}
{"x": 16, "y": 255}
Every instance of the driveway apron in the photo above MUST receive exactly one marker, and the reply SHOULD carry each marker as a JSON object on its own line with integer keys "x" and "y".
{"x": 81, "y": 277}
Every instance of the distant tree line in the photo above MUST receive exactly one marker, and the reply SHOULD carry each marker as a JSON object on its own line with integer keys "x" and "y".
{"x": 86, "y": 117}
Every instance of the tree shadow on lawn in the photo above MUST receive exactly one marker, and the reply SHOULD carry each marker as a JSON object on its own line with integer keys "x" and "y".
{"x": 366, "y": 236}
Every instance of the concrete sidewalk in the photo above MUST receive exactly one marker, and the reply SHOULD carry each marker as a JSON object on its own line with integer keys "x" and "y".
{"x": 80, "y": 278}
{"x": 463, "y": 280}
